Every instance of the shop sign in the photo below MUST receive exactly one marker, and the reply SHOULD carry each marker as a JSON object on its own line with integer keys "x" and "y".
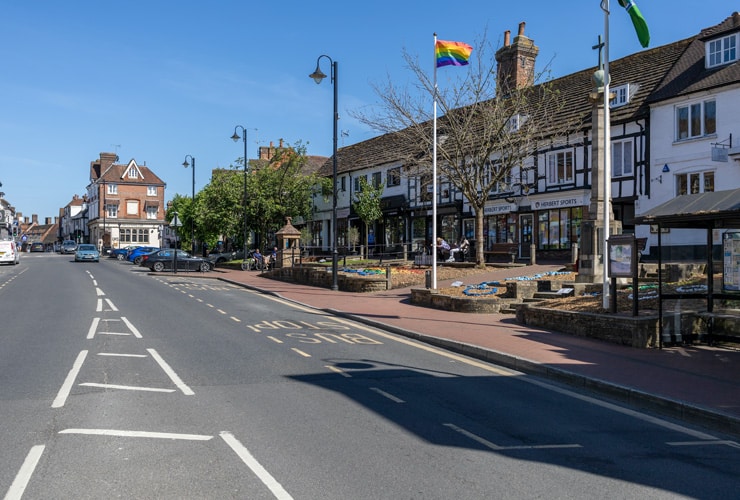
{"x": 499, "y": 209}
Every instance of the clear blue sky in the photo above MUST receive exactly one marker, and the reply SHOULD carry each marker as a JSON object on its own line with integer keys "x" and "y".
{"x": 157, "y": 80}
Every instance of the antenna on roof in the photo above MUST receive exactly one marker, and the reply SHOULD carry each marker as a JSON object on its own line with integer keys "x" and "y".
{"x": 116, "y": 147}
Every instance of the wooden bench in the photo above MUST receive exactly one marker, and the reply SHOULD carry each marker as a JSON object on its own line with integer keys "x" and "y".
{"x": 510, "y": 249}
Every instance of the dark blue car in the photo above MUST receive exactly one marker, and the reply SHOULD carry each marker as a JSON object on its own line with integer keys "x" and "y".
{"x": 137, "y": 253}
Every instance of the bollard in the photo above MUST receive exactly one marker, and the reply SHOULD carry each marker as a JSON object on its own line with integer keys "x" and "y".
{"x": 428, "y": 279}
{"x": 388, "y": 283}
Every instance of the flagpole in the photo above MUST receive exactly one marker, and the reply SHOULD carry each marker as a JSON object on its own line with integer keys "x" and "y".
{"x": 434, "y": 175}
{"x": 607, "y": 158}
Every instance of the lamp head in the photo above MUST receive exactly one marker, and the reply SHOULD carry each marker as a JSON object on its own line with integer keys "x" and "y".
{"x": 185, "y": 164}
{"x": 235, "y": 137}
{"x": 317, "y": 75}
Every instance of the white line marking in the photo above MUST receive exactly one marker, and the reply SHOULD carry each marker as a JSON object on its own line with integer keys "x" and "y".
{"x": 387, "y": 395}
{"x": 99, "y": 292}
{"x": 235, "y": 319}
{"x": 339, "y": 371}
{"x": 275, "y": 339}
{"x": 171, "y": 373}
{"x": 124, "y": 334}
{"x": 704, "y": 443}
{"x": 131, "y": 327}
{"x": 93, "y": 327}
{"x": 95, "y": 282}
{"x": 69, "y": 381}
{"x": 122, "y": 355}
{"x": 221, "y": 311}
{"x": 496, "y": 447}
{"x": 126, "y": 387}
{"x": 110, "y": 304}
{"x": 305, "y": 355}
{"x": 251, "y": 462}
{"x": 99, "y": 307}
{"x": 142, "y": 434}
{"x": 15, "y": 492}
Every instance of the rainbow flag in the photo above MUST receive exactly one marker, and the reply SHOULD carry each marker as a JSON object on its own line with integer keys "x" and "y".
{"x": 451, "y": 53}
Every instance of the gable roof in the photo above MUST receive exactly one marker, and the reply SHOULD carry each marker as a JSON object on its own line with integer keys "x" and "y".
{"x": 115, "y": 173}
{"x": 690, "y": 74}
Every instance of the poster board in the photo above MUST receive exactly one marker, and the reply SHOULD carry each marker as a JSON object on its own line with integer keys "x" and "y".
{"x": 622, "y": 256}
{"x": 731, "y": 262}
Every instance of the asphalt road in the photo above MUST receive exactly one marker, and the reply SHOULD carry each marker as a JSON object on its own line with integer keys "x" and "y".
{"x": 116, "y": 383}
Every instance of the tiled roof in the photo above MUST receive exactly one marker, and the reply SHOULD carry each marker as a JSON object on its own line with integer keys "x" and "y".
{"x": 645, "y": 70}
{"x": 689, "y": 75}
{"x": 114, "y": 174}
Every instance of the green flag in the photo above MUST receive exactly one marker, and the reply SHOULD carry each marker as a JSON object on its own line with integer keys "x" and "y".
{"x": 641, "y": 26}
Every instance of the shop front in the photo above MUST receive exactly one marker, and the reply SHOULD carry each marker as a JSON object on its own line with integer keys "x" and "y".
{"x": 558, "y": 219}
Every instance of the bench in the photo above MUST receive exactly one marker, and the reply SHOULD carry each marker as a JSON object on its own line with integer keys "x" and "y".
{"x": 510, "y": 249}
{"x": 422, "y": 260}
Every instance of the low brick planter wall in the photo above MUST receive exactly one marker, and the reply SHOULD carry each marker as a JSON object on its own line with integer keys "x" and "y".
{"x": 432, "y": 298}
{"x": 322, "y": 276}
{"x": 625, "y": 330}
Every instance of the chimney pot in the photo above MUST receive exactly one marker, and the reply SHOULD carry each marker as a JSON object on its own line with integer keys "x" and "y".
{"x": 521, "y": 28}
{"x": 507, "y": 38}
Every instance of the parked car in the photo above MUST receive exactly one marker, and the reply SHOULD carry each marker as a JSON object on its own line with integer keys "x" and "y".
{"x": 68, "y": 247}
{"x": 9, "y": 252}
{"x": 137, "y": 253}
{"x": 87, "y": 253}
{"x": 220, "y": 257}
{"x": 122, "y": 253}
{"x": 164, "y": 260}
{"x": 37, "y": 246}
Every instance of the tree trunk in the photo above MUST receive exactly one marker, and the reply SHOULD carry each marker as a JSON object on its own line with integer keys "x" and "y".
{"x": 480, "y": 258}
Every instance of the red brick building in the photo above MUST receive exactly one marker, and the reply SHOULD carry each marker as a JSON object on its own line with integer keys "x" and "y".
{"x": 126, "y": 203}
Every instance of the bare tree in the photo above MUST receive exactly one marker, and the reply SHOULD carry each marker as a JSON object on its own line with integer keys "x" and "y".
{"x": 487, "y": 135}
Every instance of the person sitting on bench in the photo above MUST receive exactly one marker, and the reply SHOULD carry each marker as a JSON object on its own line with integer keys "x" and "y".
{"x": 462, "y": 247}
{"x": 443, "y": 249}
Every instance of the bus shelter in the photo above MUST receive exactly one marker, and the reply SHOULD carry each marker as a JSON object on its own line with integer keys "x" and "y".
{"x": 719, "y": 315}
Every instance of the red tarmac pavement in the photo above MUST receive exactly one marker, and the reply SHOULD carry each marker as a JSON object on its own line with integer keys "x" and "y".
{"x": 695, "y": 383}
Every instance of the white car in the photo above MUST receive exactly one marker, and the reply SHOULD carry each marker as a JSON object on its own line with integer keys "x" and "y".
{"x": 9, "y": 252}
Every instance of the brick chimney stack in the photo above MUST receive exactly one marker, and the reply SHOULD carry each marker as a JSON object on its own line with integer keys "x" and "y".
{"x": 516, "y": 61}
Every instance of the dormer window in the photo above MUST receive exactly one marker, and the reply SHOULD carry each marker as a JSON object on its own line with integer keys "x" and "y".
{"x": 722, "y": 50}
{"x": 515, "y": 123}
{"x": 133, "y": 173}
{"x": 622, "y": 95}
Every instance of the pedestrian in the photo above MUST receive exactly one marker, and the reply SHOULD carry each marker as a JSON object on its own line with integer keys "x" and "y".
{"x": 443, "y": 249}
{"x": 462, "y": 247}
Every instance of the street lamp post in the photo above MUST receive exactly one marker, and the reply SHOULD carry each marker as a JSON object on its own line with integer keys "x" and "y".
{"x": 192, "y": 211}
{"x": 235, "y": 138}
{"x": 317, "y": 76}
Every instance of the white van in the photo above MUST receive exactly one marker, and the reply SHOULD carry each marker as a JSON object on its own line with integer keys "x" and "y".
{"x": 9, "y": 253}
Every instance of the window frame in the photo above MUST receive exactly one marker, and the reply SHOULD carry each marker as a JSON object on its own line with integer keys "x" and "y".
{"x": 686, "y": 119}
{"x": 553, "y": 177}
{"x": 393, "y": 177}
{"x": 621, "y": 146}
{"x": 721, "y": 51}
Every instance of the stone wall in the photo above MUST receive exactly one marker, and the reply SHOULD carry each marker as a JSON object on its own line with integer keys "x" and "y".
{"x": 625, "y": 330}
{"x": 322, "y": 276}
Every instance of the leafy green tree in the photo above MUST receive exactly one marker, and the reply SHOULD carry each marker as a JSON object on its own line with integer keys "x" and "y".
{"x": 220, "y": 206}
{"x": 281, "y": 189}
{"x": 367, "y": 204}
{"x": 184, "y": 207}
